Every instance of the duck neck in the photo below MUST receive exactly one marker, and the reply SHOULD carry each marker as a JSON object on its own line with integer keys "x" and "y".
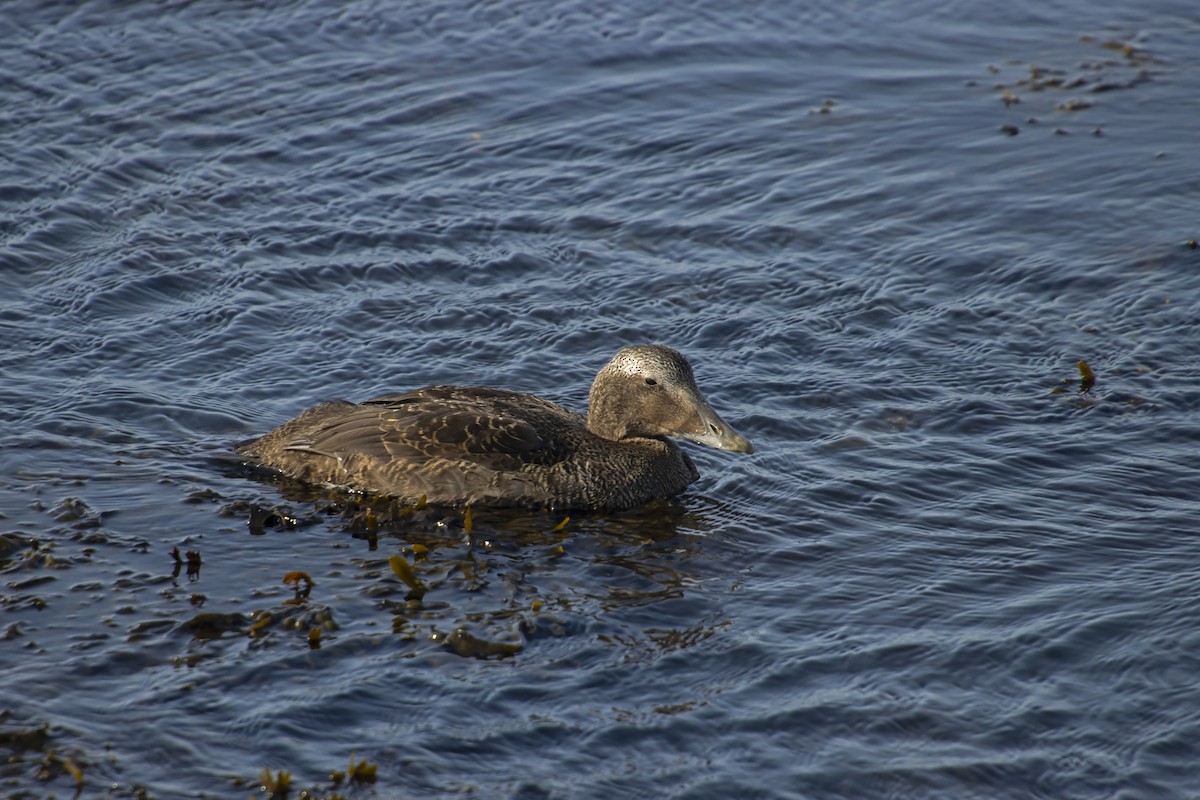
{"x": 605, "y": 426}
{"x": 605, "y": 417}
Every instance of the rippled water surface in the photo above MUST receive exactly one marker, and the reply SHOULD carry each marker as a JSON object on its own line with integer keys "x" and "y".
{"x": 884, "y": 232}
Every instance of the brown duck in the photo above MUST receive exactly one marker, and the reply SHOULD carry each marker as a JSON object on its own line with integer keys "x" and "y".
{"x": 458, "y": 445}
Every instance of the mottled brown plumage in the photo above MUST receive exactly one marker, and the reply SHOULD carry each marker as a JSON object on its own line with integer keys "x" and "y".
{"x": 465, "y": 445}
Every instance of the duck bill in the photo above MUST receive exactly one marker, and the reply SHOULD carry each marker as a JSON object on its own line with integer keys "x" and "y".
{"x": 708, "y": 429}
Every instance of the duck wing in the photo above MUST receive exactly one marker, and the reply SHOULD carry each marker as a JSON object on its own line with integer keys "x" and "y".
{"x": 491, "y": 428}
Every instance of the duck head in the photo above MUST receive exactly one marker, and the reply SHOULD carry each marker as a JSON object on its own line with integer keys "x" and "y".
{"x": 648, "y": 390}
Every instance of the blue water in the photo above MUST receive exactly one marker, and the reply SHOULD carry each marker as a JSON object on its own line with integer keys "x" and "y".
{"x": 885, "y": 234}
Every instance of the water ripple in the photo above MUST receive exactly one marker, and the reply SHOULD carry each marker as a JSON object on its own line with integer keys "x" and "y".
{"x": 946, "y": 571}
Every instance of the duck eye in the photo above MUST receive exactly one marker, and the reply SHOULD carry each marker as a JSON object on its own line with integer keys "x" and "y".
{"x": 651, "y": 382}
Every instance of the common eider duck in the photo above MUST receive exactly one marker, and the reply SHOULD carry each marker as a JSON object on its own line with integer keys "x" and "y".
{"x": 461, "y": 445}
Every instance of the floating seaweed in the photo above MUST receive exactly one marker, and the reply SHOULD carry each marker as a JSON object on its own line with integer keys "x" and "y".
{"x": 467, "y": 645}
{"x": 212, "y": 625}
{"x": 275, "y": 786}
{"x": 1093, "y": 76}
{"x": 1087, "y": 378}
{"x": 1074, "y": 104}
{"x": 361, "y": 772}
{"x": 301, "y": 580}
{"x": 826, "y": 107}
{"x": 72, "y": 769}
{"x": 78, "y": 514}
{"x": 294, "y": 617}
{"x": 404, "y": 572}
{"x": 358, "y": 772}
{"x": 258, "y": 518}
{"x": 49, "y": 763}
{"x": 193, "y": 562}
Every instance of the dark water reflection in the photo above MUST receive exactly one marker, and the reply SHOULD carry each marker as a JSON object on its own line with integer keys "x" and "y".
{"x": 945, "y": 571}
